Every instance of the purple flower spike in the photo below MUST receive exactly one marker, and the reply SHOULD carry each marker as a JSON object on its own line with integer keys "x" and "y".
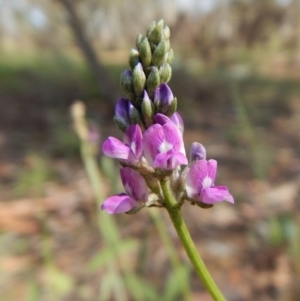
{"x": 200, "y": 183}
{"x": 163, "y": 97}
{"x": 198, "y": 152}
{"x": 163, "y": 146}
{"x": 175, "y": 118}
{"x": 136, "y": 193}
{"x": 130, "y": 151}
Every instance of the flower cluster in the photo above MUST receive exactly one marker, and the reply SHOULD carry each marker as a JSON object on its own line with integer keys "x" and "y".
{"x": 153, "y": 149}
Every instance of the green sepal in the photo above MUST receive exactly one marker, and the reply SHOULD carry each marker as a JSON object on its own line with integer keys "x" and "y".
{"x": 145, "y": 52}
{"x": 138, "y": 79}
{"x": 159, "y": 53}
{"x": 153, "y": 81}
{"x": 136, "y": 118}
{"x": 121, "y": 125}
{"x": 136, "y": 209}
{"x": 152, "y": 47}
{"x": 172, "y": 108}
{"x": 134, "y": 58}
{"x": 138, "y": 102}
{"x": 165, "y": 73}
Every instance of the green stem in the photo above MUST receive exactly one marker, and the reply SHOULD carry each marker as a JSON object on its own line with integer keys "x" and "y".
{"x": 189, "y": 246}
{"x": 184, "y": 285}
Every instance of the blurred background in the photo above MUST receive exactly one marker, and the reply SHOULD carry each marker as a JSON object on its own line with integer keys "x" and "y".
{"x": 236, "y": 76}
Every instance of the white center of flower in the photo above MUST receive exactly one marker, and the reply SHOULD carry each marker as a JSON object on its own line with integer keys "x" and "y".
{"x": 128, "y": 189}
{"x": 207, "y": 182}
{"x": 165, "y": 147}
{"x": 133, "y": 146}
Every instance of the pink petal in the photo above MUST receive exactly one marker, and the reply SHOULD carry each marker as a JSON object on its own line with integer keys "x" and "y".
{"x": 153, "y": 138}
{"x": 133, "y": 138}
{"x": 161, "y": 119}
{"x": 119, "y": 203}
{"x": 174, "y": 137}
{"x": 134, "y": 184}
{"x": 177, "y": 120}
{"x": 114, "y": 148}
{"x": 212, "y": 169}
{"x": 169, "y": 160}
{"x": 216, "y": 194}
{"x": 195, "y": 177}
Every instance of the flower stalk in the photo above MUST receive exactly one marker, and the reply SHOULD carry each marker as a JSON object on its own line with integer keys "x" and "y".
{"x": 187, "y": 242}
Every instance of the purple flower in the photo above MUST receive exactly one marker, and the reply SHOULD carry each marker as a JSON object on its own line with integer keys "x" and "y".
{"x": 136, "y": 193}
{"x": 130, "y": 151}
{"x": 200, "y": 183}
{"x": 163, "y": 146}
{"x": 198, "y": 152}
{"x": 175, "y": 118}
{"x": 163, "y": 98}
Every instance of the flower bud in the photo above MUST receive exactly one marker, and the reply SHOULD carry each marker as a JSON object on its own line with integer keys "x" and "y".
{"x": 147, "y": 110}
{"x": 198, "y": 152}
{"x": 138, "y": 40}
{"x": 170, "y": 56}
{"x": 126, "y": 82}
{"x": 135, "y": 116}
{"x": 134, "y": 58}
{"x": 153, "y": 81}
{"x": 167, "y": 32}
{"x": 138, "y": 79}
{"x": 152, "y": 47}
{"x": 121, "y": 117}
{"x": 156, "y": 35}
{"x": 171, "y": 109}
{"x": 145, "y": 52}
{"x": 158, "y": 57}
{"x": 151, "y": 26}
{"x": 163, "y": 98}
{"x": 165, "y": 73}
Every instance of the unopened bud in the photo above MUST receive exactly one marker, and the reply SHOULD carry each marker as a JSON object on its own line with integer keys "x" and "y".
{"x": 170, "y": 56}
{"x": 198, "y": 152}
{"x": 153, "y": 81}
{"x": 165, "y": 73}
{"x": 121, "y": 117}
{"x": 156, "y": 34}
{"x": 163, "y": 98}
{"x": 171, "y": 109}
{"x": 151, "y": 26}
{"x": 159, "y": 53}
{"x": 167, "y": 32}
{"x": 135, "y": 116}
{"x": 145, "y": 52}
{"x": 138, "y": 79}
{"x": 138, "y": 40}
{"x": 126, "y": 82}
{"x": 134, "y": 58}
{"x": 147, "y": 110}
